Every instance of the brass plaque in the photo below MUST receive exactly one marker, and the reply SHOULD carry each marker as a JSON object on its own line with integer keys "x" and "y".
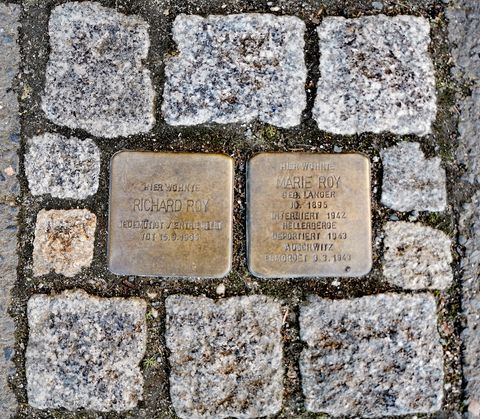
{"x": 309, "y": 215}
{"x": 170, "y": 214}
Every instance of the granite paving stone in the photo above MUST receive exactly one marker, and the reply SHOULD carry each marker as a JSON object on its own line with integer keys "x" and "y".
{"x": 372, "y": 356}
{"x": 95, "y": 78}
{"x": 236, "y": 68}
{"x": 417, "y": 256}
{"x": 410, "y": 181}
{"x": 84, "y": 351}
{"x": 64, "y": 241}
{"x": 62, "y": 167}
{"x": 375, "y": 75}
{"x": 225, "y": 356}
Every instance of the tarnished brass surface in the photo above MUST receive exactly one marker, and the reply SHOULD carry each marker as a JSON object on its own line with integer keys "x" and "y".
{"x": 170, "y": 214}
{"x": 308, "y": 215}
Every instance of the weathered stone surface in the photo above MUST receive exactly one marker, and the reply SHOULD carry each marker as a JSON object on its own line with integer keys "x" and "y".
{"x": 9, "y": 121}
{"x": 411, "y": 182}
{"x": 64, "y": 241}
{"x": 225, "y": 357}
{"x": 61, "y": 167}
{"x": 84, "y": 351}
{"x": 373, "y": 356}
{"x": 9, "y": 189}
{"x": 464, "y": 27}
{"x": 470, "y": 228}
{"x": 95, "y": 78}
{"x": 417, "y": 256}
{"x": 8, "y": 276}
{"x": 236, "y": 68}
{"x": 376, "y": 75}
{"x": 463, "y": 30}
{"x": 469, "y": 129}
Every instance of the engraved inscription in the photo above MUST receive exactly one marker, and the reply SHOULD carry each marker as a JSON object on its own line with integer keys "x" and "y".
{"x": 170, "y": 214}
{"x": 309, "y": 215}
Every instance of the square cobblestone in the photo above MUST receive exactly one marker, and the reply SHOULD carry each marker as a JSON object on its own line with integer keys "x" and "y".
{"x": 225, "y": 357}
{"x": 84, "y": 351}
{"x": 417, "y": 256}
{"x": 412, "y": 182}
{"x": 62, "y": 167}
{"x": 376, "y": 75}
{"x": 373, "y": 356}
{"x": 64, "y": 241}
{"x": 95, "y": 77}
{"x": 236, "y": 68}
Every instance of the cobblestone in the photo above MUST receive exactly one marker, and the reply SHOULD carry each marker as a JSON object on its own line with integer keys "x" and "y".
{"x": 61, "y": 167}
{"x": 376, "y": 75}
{"x": 417, "y": 256}
{"x": 371, "y": 356}
{"x": 64, "y": 241}
{"x": 236, "y": 68}
{"x": 95, "y": 78}
{"x": 84, "y": 352}
{"x": 411, "y": 182}
{"x": 225, "y": 357}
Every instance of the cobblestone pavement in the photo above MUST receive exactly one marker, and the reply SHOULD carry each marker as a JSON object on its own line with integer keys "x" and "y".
{"x": 397, "y": 81}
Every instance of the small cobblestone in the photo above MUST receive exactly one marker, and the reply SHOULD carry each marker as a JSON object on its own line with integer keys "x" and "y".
{"x": 95, "y": 78}
{"x": 417, "y": 256}
{"x": 376, "y": 75}
{"x": 411, "y": 182}
{"x": 64, "y": 241}
{"x": 372, "y": 356}
{"x": 85, "y": 351}
{"x": 236, "y": 68}
{"x": 61, "y": 167}
{"x": 225, "y": 357}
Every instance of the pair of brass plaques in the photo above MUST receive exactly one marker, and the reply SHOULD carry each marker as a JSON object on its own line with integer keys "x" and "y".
{"x": 308, "y": 215}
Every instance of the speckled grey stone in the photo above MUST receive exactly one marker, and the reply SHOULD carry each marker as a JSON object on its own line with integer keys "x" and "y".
{"x": 411, "y": 182}
{"x": 84, "y": 351}
{"x": 61, "y": 167}
{"x": 64, "y": 241}
{"x": 470, "y": 227}
{"x": 236, "y": 68}
{"x": 375, "y": 75}
{"x": 417, "y": 256}
{"x": 463, "y": 32}
{"x": 373, "y": 356}
{"x": 9, "y": 118}
{"x": 9, "y": 189}
{"x": 225, "y": 356}
{"x": 95, "y": 77}
{"x": 8, "y": 276}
